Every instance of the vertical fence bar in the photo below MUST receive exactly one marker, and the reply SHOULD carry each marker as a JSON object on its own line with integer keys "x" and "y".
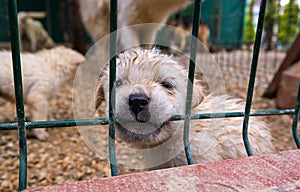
{"x": 112, "y": 79}
{"x": 17, "y": 71}
{"x": 190, "y": 83}
{"x": 295, "y": 120}
{"x": 257, "y": 42}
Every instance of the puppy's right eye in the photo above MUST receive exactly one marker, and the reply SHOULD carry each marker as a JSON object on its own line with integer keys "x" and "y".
{"x": 119, "y": 83}
{"x": 167, "y": 85}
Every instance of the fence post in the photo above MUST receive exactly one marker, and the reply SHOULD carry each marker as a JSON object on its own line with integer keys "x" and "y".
{"x": 190, "y": 82}
{"x": 17, "y": 71}
{"x": 295, "y": 120}
{"x": 250, "y": 89}
{"x": 112, "y": 80}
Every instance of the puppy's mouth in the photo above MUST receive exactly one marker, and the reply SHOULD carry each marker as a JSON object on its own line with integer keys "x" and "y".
{"x": 136, "y": 131}
{"x": 142, "y": 116}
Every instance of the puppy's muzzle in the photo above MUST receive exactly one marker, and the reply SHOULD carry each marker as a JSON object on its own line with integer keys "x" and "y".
{"x": 139, "y": 107}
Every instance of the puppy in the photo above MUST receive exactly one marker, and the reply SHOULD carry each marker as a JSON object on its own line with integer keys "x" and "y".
{"x": 150, "y": 89}
{"x": 33, "y": 36}
{"x": 43, "y": 74}
{"x": 95, "y": 16}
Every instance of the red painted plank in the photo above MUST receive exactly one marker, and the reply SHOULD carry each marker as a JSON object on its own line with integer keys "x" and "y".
{"x": 273, "y": 172}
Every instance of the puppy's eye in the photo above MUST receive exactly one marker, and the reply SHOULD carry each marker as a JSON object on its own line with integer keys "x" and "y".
{"x": 167, "y": 85}
{"x": 119, "y": 83}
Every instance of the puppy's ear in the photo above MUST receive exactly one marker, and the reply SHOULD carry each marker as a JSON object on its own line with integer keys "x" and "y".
{"x": 198, "y": 95}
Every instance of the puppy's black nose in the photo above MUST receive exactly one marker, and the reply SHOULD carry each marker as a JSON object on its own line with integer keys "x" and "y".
{"x": 138, "y": 105}
{"x": 138, "y": 102}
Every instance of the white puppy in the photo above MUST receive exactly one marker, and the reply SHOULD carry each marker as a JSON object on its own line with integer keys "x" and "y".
{"x": 150, "y": 89}
{"x": 43, "y": 74}
{"x": 95, "y": 16}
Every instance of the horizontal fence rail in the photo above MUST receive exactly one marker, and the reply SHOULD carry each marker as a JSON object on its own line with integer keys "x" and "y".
{"x": 105, "y": 121}
{"x": 21, "y": 125}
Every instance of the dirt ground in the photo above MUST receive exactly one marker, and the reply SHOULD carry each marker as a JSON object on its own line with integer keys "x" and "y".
{"x": 65, "y": 157}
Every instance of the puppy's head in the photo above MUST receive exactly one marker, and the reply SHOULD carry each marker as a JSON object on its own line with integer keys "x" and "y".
{"x": 150, "y": 89}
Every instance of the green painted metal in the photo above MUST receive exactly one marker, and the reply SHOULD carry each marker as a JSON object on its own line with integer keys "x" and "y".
{"x": 21, "y": 125}
{"x": 17, "y": 72}
{"x": 190, "y": 83}
{"x": 112, "y": 80}
{"x": 295, "y": 120}
{"x": 257, "y": 42}
{"x": 104, "y": 121}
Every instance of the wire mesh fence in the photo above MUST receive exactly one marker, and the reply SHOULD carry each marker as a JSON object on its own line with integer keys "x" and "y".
{"x": 231, "y": 62}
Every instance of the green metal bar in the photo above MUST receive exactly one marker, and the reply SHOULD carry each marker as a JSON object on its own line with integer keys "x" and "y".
{"x": 188, "y": 104}
{"x": 17, "y": 71}
{"x": 295, "y": 120}
{"x": 112, "y": 80}
{"x": 104, "y": 121}
{"x": 259, "y": 30}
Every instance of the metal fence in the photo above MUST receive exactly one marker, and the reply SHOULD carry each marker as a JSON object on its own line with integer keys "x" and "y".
{"x": 21, "y": 125}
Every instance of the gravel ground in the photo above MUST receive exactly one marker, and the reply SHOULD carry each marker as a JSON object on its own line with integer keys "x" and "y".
{"x": 65, "y": 157}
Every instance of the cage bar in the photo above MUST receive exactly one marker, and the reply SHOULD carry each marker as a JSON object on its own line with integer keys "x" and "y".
{"x": 104, "y": 121}
{"x": 257, "y": 42}
{"x": 190, "y": 82}
{"x": 295, "y": 120}
{"x": 17, "y": 73}
{"x": 112, "y": 80}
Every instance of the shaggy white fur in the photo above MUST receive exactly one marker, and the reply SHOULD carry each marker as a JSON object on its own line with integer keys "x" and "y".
{"x": 150, "y": 89}
{"x": 43, "y": 74}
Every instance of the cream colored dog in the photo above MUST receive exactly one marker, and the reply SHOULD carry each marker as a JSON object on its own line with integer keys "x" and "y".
{"x": 43, "y": 74}
{"x": 95, "y": 16}
{"x": 150, "y": 89}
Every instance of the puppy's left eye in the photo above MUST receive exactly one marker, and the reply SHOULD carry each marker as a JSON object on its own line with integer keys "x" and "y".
{"x": 119, "y": 83}
{"x": 167, "y": 85}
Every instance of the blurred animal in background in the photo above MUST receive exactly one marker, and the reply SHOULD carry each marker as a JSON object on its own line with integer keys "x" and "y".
{"x": 177, "y": 36}
{"x": 33, "y": 36}
{"x": 203, "y": 34}
{"x": 183, "y": 29}
{"x": 43, "y": 73}
{"x": 95, "y": 16}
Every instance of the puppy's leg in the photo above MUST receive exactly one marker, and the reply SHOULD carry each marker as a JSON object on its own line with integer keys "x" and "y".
{"x": 32, "y": 38}
{"x": 182, "y": 42}
{"x": 39, "y": 110}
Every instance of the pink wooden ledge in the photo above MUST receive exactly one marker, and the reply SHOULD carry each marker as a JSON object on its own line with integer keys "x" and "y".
{"x": 274, "y": 172}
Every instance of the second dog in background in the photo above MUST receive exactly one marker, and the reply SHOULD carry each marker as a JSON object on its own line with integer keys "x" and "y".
{"x": 43, "y": 73}
{"x": 95, "y": 16}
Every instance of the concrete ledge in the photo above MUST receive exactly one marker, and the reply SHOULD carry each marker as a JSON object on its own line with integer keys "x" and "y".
{"x": 273, "y": 172}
